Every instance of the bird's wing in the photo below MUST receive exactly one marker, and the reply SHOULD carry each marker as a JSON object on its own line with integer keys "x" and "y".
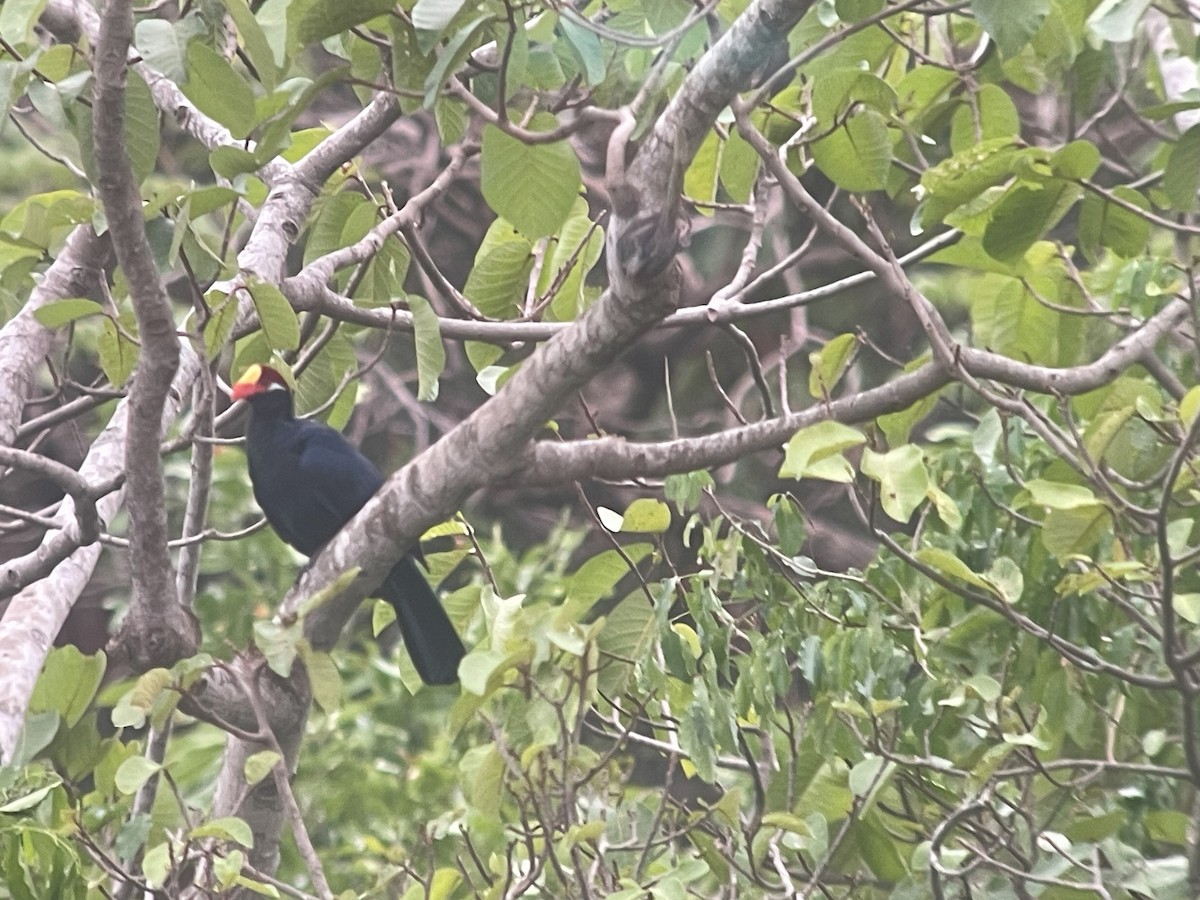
{"x": 341, "y": 479}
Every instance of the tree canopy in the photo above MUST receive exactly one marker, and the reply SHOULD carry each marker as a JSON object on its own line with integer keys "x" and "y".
{"x": 793, "y": 399}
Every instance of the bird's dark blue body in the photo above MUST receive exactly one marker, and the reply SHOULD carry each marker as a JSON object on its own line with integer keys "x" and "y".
{"x": 310, "y": 481}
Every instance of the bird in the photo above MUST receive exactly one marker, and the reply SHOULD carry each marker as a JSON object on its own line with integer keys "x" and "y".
{"x": 309, "y": 481}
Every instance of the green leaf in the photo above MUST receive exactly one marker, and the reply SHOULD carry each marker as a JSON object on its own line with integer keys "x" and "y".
{"x": 411, "y": 64}
{"x": 1013, "y": 322}
{"x": 455, "y": 51}
{"x": 867, "y": 774}
{"x": 841, "y": 91}
{"x": 1187, "y": 606}
{"x": 646, "y": 515}
{"x": 857, "y": 155}
{"x": 254, "y": 42}
{"x": 579, "y": 245}
{"x": 947, "y": 509}
{"x": 1189, "y": 406}
{"x": 967, "y": 174}
{"x": 532, "y": 186}
{"x": 786, "y": 821}
{"x": 443, "y": 883}
{"x": 828, "y": 794}
{"x": 434, "y": 15}
{"x": 218, "y": 91}
{"x": 946, "y": 563}
{"x": 897, "y": 426}
{"x": 587, "y": 49}
{"x": 697, "y": 734}
{"x": 61, "y": 312}
{"x": 985, "y": 687}
{"x": 330, "y": 223}
{"x": 1167, "y": 825}
{"x": 1078, "y": 159}
{"x": 500, "y": 276}
{"x": 739, "y": 168}
{"x": 258, "y": 765}
{"x": 431, "y": 354}
{"x": 482, "y": 778}
{"x": 279, "y": 323}
{"x": 279, "y": 644}
{"x": 1115, "y": 21}
{"x": 42, "y": 218}
{"x": 1181, "y": 177}
{"x": 324, "y": 676}
{"x": 230, "y": 162}
{"x": 135, "y": 772}
{"x": 479, "y": 671}
{"x": 219, "y": 327}
{"x": 1024, "y": 215}
{"x": 68, "y": 683}
{"x": 1074, "y": 531}
{"x": 829, "y": 364}
{"x": 988, "y": 115}
{"x": 881, "y": 851}
{"x": 1011, "y": 23}
{"x": 1095, "y": 828}
{"x": 629, "y": 629}
{"x": 596, "y": 578}
{"x": 1007, "y": 578}
{"x": 850, "y": 11}
{"x": 1105, "y": 224}
{"x": 141, "y": 127}
{"x": 820, "y": 443}
{"x": 685, "y": 490}
{"x": 700, "y": 179}
{"x": 156, "y": 864}
{"x": 27, "y": 801}
{"x": 163, "y": 45}
{"x": 1056, "y": 495}
{"x": 18, "y": 18}
{"x": 387, "y": 272}
{"x": 118, "y": 353}
{"x": 202, "y": 201}
{"x": 225, "y": 828}
{"x": 325, "y": 18}
{"x": 902, "y": 476}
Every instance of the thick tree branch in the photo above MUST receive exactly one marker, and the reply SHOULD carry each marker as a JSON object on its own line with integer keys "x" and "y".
{"x": 157, "y": 631}
{"x": 24, "y": 341}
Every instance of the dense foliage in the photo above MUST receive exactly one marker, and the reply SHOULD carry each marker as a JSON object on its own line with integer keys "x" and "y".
{"x": 868, "y": 570}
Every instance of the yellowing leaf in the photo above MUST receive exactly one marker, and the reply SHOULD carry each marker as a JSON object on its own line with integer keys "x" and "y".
{"x": 646, "y": 515}
{"x": 817, "y": 442}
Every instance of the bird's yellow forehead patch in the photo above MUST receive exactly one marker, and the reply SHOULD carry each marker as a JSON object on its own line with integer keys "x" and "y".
{"x": 251, "y": 375}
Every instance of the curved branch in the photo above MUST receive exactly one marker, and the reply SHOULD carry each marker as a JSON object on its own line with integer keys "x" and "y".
{"x": 614, "y": 458}
{"x": 308, "y": 294}
{"x": 66, "y": 478}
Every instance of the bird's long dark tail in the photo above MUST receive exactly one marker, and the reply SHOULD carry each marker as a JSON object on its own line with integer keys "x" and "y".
{"x": 428, "y": 634}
